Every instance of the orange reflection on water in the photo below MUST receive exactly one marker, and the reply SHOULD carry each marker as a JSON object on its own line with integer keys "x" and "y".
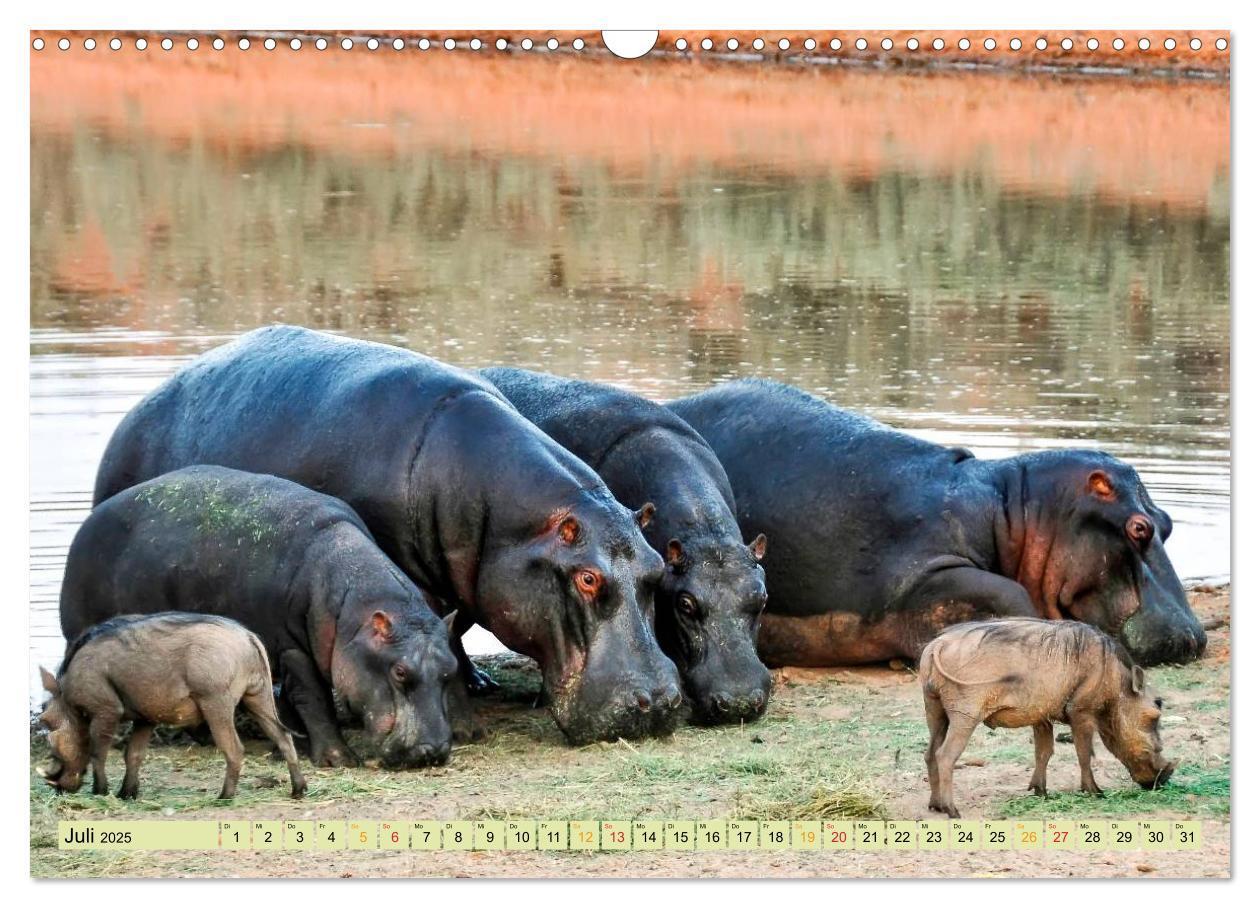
{"x": 1162, "y": 142}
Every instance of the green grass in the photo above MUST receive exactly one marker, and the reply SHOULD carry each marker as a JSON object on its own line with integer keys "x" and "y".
{"x": 831, "y": 749}
{"x": 1193, "y": 791}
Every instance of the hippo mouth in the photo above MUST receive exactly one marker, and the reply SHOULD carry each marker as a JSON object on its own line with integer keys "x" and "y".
{"x": 725, "y": 709}
{"x": 627, "y": 724}
{"x": 417, "y": 758}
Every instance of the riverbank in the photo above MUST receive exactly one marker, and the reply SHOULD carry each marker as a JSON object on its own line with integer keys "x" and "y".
{"x": 835, "y": 743}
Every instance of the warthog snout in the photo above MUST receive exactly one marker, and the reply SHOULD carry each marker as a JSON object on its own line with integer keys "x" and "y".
{"x": 1162, "y": 777}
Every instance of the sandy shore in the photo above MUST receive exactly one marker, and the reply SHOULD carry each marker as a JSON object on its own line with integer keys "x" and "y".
{"x": 834, "y": 743}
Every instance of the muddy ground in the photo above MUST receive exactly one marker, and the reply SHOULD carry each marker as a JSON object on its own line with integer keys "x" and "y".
{"x": 835, "y": 743}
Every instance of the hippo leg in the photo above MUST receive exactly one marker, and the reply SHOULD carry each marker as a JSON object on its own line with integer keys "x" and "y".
{"x": 262, "y": 706}
{"x": 957, "y": 594}
{"x": 990, "y": 595}
{"x": 960, "y": 728}
{"x": 141, "y": 732}
{"x": 220, "y": 716}
{"x": 938, "y": 726}
{"x": 1083, "y": 738}
{"x": 1043, "y": 747}
{"x": 465, "y": 727}
{"x": 477, "y": 681}
{"x": 290, "y": 719}
{"x": 101, "y": 736}
{"x": 308, "y": 694}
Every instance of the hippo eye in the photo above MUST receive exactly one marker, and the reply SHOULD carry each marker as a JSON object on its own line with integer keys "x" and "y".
{"x": 687, "y": 605}
{"x": 588, "y": 583}
{"x": 399, "y": 673}
{"x": 1140, "y": 529}
{"x": 1159, "y": 703}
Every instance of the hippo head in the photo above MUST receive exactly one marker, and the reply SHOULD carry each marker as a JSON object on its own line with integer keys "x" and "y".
{"x": 576, "y": 594}
{"x": 395, "y": 672}
{"x": 1130, "y": 729}
{"x": 708, "y": 609}
{"x": 1093, "y": 549}
{"x": 67, "y": 739}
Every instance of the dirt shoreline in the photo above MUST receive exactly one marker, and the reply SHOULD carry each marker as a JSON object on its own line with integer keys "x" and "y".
{"x": 835, "y": 742}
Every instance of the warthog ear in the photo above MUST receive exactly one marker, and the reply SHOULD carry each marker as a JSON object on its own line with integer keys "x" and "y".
{"x": 758, "y": 547}
{"x": 674, "y": 555}
{"x": 50, "y": 682}
{"x": 382, "y": 626}
{"x": 643, "y": 516}
{"x": 1138, "y": 679}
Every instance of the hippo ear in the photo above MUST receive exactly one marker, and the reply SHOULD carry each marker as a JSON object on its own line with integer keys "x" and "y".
{"x": 674, "y": 555}
{"x": 1138, "y": 679}
{"x": 1101, "y": 485}
{"x": 449, "y": 621}
{"x": 1162, "y": 522}
{"x": 757, "y": 548}
{"x": 643, "y": 516}
{"x": 569, "y": 530}
{"x": 50, "y": 683}
{"x": 382, "y": 626}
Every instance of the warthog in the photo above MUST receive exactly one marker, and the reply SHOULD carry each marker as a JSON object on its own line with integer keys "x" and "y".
{"x": 1018, "y": 672}
{"x": 171, "y": 668}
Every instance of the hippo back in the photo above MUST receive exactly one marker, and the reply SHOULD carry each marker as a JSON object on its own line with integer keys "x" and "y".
{"x": 595, "y": 420}
{"x": 265, "y": 403}
{"x": 206, "y": 539}
{"x": 811, "y": 476}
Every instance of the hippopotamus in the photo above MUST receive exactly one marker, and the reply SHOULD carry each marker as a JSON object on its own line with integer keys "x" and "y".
{"x": 345, "y": 631}
{"x": 882, "y": 539}
{"x": 473, "y": 502}
{"x": 709, "y": 603}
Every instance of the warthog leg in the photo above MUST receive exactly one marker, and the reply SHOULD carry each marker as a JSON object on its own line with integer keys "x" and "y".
{"x": 1043, "y": 747}
{"x": 938, "y": 725}
{"x": 960, "y": 728}
{"x": 141, "y": 732}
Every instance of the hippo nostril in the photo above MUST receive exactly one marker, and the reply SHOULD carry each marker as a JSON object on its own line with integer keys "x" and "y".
{"x": 721, "y": 702}
{"x": 672, "y": 696}
{"x": 758, "y": 699}
{"x": 642, "y": 700}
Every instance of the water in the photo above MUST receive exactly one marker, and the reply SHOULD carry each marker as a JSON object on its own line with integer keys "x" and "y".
{"x": 992, "y": 297}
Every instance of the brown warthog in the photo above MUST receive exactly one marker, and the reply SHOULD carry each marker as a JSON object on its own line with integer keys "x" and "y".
{"x": 1018, "y": 672}
{"x": 170, "y": 668}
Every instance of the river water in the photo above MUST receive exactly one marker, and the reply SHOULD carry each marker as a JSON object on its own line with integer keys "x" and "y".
{"x": 1031, "y": 288}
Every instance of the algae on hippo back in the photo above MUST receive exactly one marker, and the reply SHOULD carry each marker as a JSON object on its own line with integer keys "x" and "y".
{"x": 212, "y": 511}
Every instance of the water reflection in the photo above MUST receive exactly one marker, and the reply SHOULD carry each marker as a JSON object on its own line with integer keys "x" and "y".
{"x": 953, "y": 302}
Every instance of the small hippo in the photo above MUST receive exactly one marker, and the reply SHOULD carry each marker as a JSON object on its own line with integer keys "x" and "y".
{"x": 171, "y": 668}
{"x": 1017, "y": 672}
{"x": 350, "y": 636}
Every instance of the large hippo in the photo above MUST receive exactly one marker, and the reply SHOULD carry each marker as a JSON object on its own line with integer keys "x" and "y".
{"x": 709, "y": 604}
{"x": 881, "y": 539}
{"x": 344, "y": 630}
{"x": 470, "y": 499}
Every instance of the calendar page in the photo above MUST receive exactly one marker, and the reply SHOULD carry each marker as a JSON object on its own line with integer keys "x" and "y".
{"x": 682, "y": 453}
